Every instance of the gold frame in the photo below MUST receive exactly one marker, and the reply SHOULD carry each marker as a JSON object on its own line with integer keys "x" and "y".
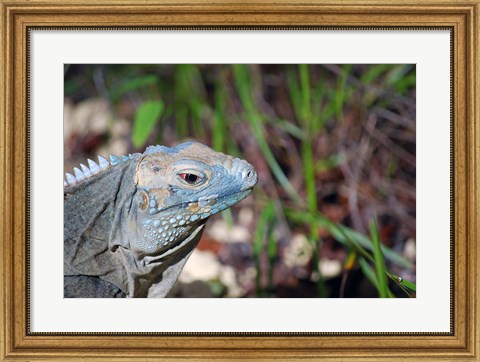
{"x": 461, "y": 17}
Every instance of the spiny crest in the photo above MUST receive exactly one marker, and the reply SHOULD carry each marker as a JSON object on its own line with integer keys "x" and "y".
{"x": 92, "y": 169}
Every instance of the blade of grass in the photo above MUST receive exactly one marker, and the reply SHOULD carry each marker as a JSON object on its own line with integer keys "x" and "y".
{"x": 219, "y": 122}
{"x": 366, "y": 255}
{"x": 373, "y": 72}
{"x": 306, "y": 112}
{"x": 264, "y": 228}
{"x": 402, "y": 78}
{"x": 404, "y": 284}
{"x": 398, "y": 282}
{"x": 181, "y": 92}
{"x": 145, "y": 118}
{"x": 288, "y": 127}
{"x": 308, "y": 163}
{"x": 294, "y": 91}
{"x": 369, "y": 273}
{"x": 380, "y": 267}
{"x": 329, "y": 109}
{"x": 197, "y": 102}
{"x": 397, "y": 73}
{"x": 189, "y": 99}
{"x": 257, "y": 252}
{"x": 271, "y": 244}
{"x": 341, "y": 233}
{"x": 319, "y": 115}
{"x": 196, "y": 108}
{"x": 128, "y": 85}
{"x": 256, "y": 121}
{"x": 307, "y": 147}
{"x": 408, "y": 284}
{"x": 328, "y": 163}
{"x": 342, "y": 93}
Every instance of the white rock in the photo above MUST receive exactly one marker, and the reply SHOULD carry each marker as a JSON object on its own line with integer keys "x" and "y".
{"x": 229, "y": 279}
{"x": 299, "y": 252}
{"x": 329, "y": 268}
{"x": 409, "y": 250}
{"x": 220, "y": 231}
{"x": 245, "y": 216}
{"x": 202, "y": 265}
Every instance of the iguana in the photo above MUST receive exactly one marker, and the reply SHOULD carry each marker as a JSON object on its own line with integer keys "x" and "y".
{"x": 131, "y": 223}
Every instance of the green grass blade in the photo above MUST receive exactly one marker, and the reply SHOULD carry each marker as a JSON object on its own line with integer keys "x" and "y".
{"x": 258, "y": 247}
{"x": 369, "y": 273}
{"x": 409, "y": 285}
{"x": 269, "y": 216}
{"x": 402, "y": 78}
{"x": 255, "y": 119}
{"x": 288, "y": 127}
{"x": 307, "y": 146}
{"x": 182, "y": 93}
{"x": 328, "y": 163}
{"x": 306, "y": 99}
{"x": 271, "y": 243}
{"x": 341, "y": 233}
{"x": 294, "y": 91}
{"x": 219, "y": 119}
{"x": 380, "y": 267}
{"x": 145, "y": 118}
{"x": 263, "y": 228}
{"x": 128, "y": 85}
{"x": 309, "y": 175}
{"x": 374, "y": 72}
{"x": 259, "y": 235}
{"x": 341, "y": 95}
{"x": 404, "y": 284}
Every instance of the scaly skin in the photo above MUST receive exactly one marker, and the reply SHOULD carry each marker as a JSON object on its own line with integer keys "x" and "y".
{"x": 130, "y": 224}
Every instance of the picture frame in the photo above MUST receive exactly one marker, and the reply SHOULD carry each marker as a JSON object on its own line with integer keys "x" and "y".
{"x": 19, "y": 343}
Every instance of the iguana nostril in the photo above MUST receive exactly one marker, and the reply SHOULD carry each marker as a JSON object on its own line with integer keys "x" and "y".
{"x": 249, "y": 176}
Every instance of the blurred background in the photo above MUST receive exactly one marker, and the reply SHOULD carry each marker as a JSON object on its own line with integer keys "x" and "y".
{"x": 333, "y": 214}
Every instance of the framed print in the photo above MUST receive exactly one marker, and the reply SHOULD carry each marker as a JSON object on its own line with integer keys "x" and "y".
{"x": 356, "y": 126}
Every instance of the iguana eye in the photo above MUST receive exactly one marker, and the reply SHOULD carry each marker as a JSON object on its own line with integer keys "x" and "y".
{"x": 190, "y": 178}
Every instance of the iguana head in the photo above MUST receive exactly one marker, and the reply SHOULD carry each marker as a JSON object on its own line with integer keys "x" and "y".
{"x": 173, "y": 192}
{"x": 179, "y": 188}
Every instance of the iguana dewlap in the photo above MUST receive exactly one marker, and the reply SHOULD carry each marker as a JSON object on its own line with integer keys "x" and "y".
{"x": 131, "y": 223}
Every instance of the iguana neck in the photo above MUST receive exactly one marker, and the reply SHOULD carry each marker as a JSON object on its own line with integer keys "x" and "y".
{"x": 93, "y": 212}
{"x": 154, "y": 276}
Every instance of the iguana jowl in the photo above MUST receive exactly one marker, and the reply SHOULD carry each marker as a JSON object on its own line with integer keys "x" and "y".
{"x": 131, "y": 223}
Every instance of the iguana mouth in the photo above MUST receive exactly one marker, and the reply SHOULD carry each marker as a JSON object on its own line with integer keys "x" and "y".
{"x": 213, "y": 202}
{"x": 239, "y": 196}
